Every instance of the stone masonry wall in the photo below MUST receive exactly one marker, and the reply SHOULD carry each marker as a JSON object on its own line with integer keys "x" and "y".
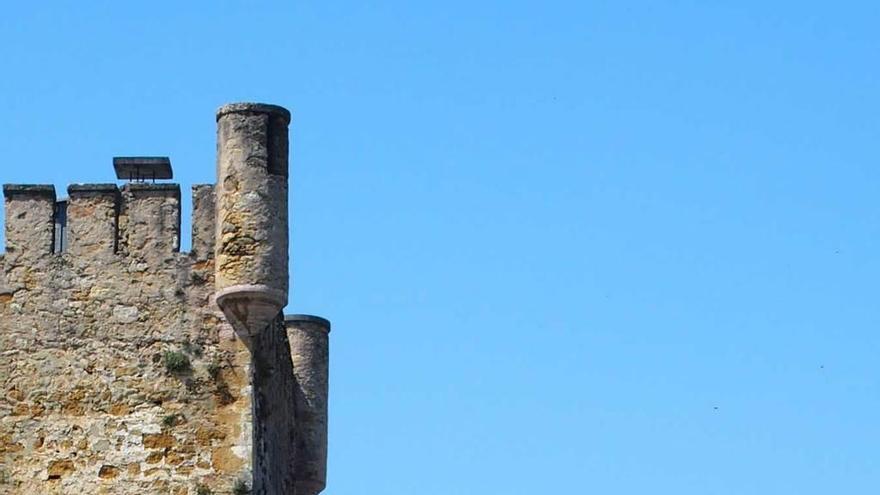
{"x": 94, "y": 395}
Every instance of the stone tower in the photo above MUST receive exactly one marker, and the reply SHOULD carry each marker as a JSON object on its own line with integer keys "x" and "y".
{"x": 251, "y": 269}
{"x": 129, "y": 367}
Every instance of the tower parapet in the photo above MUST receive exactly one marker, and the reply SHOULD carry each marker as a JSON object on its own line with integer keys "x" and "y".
{"x": 101, "y": 220}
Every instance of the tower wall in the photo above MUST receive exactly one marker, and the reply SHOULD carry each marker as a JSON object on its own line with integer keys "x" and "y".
{"x": 88, "y": 403}
{"x": 127, "y": 364}
{"x": 252, "y": 244}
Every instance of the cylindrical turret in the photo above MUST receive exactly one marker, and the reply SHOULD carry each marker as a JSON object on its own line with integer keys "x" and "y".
{"x": 309, "y": 349}
{"x": 251, "y": 242}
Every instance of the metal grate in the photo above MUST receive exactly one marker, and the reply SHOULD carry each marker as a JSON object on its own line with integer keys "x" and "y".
{"x": 142, "y": 168}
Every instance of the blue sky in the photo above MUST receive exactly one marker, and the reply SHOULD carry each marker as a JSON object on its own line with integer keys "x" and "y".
{"x": 567, "y": 247}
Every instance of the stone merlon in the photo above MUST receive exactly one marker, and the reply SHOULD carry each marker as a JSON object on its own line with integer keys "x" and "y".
{"x": 30, "y": 211}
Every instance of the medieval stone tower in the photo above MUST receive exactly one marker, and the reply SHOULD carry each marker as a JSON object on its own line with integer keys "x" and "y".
{"x": 129, "y": 367}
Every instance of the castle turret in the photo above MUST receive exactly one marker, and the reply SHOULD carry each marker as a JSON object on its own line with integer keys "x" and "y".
{"x": 309, "y": 350}
{"x": 251, "y": 241}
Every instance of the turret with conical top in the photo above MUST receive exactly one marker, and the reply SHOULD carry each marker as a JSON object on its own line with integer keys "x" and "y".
{"x": 252, "y": 240}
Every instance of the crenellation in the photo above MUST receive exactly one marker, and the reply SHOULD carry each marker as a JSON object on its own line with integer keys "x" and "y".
{"x": 99, "y": 219}
{"x": 92, "y": 219}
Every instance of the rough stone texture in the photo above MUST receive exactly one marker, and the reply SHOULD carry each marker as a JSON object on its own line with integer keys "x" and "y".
{"x": 203, "y": 221}
{"x": 251, "y": 276}
{"x": 86, "y": 404}
{"x": 119, "y": 373}
{"x": 92, "y": 214}
{"x": 149, "y": 223}
{"x": 275, "y": 439}
{"x": 29, "y": 225}
{"x": 309, "y": 348}
{"x": 252, "y": 196}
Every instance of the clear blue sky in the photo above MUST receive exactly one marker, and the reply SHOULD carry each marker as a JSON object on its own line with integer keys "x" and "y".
{"x": 553, "y": 237}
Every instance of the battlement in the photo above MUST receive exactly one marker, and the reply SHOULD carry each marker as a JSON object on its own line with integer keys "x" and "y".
{"x": 98, "y": 221}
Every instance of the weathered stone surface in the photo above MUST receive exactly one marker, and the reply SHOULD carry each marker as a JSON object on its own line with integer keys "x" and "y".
{"x": 252, "y": 241}
{"x": 119, "y": 373}
{"x": 84, "y": 394}
{"x": 29, "y": 221}
{"x": 204, "y": 213}
{"x": 149, "y": 223}
{"x": 92, "y": 214}
{"x": 309, "y": 348}
{"x": 274, "y": 410}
